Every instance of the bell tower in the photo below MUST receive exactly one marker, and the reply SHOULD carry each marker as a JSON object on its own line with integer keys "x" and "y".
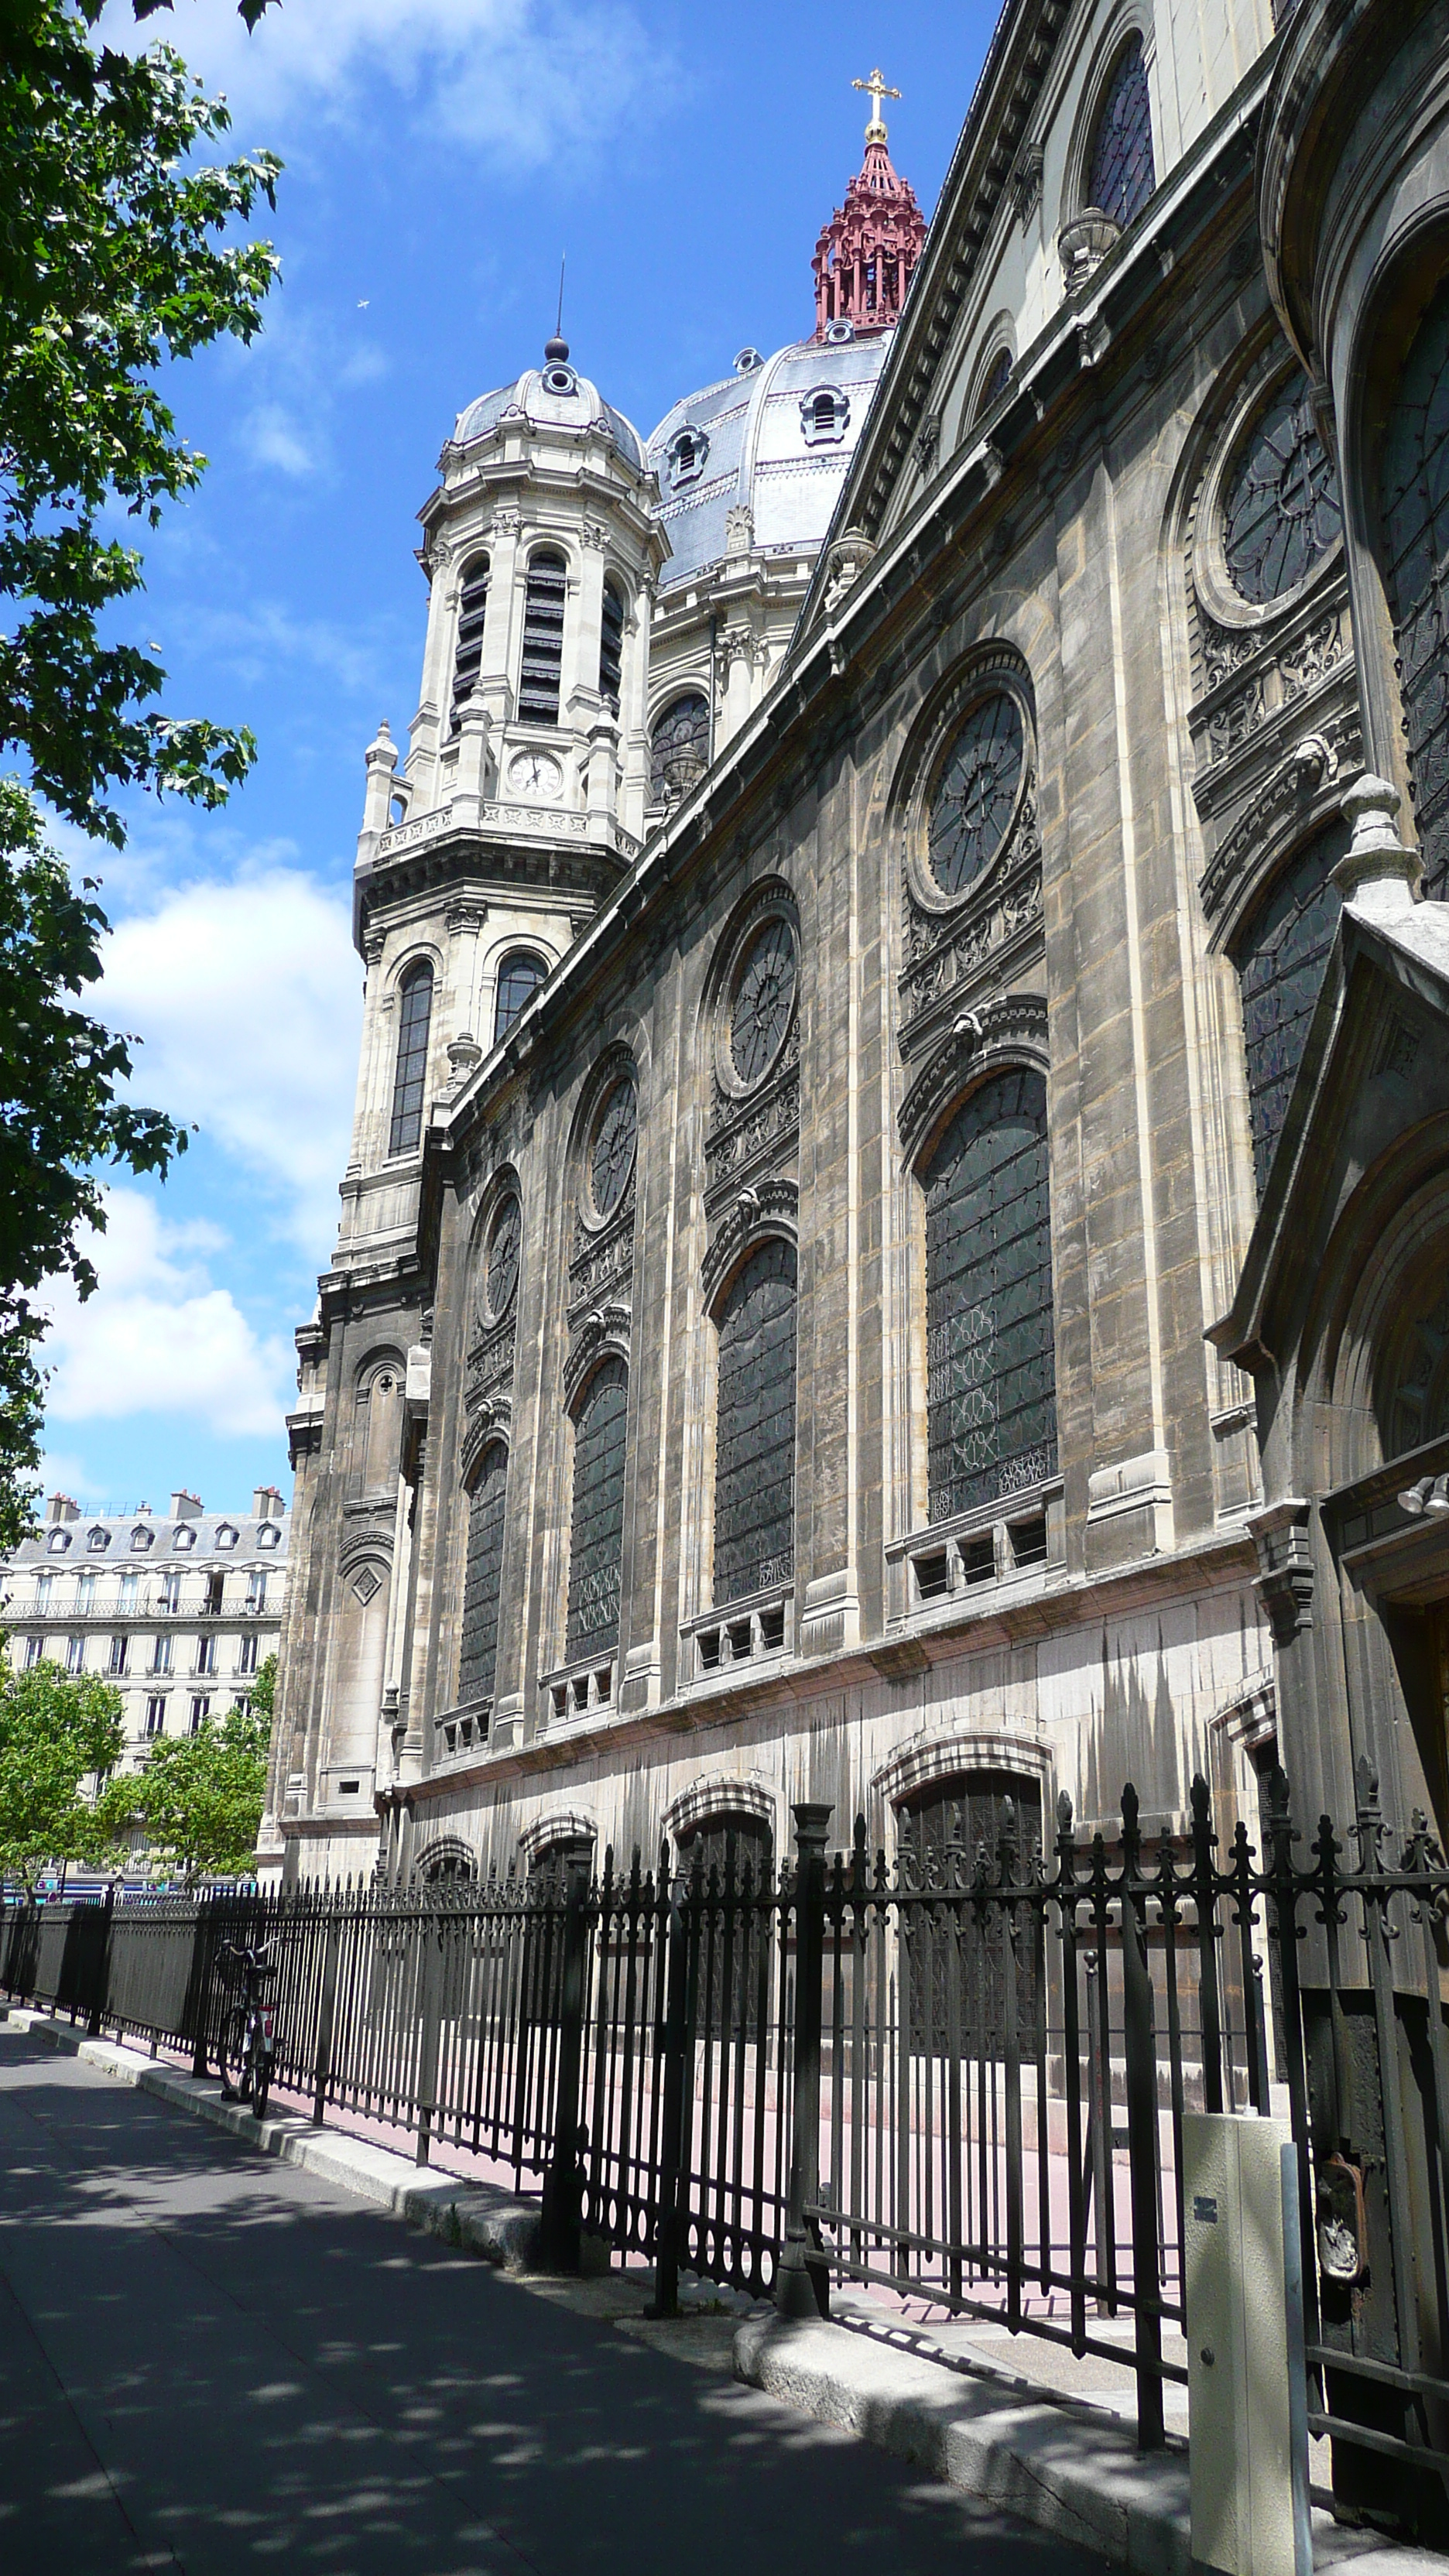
{"x": 866, "y": 254}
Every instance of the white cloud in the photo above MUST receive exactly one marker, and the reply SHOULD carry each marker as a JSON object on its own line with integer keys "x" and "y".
{"x": 527, "y": 79}
{"x": 157, "y": 1336}
{"x": 247, "y": 997}
{"x": 275, "y": 439}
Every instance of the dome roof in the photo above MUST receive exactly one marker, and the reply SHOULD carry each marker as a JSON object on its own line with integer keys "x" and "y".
{"x": 776, "y": 438}
{"x": 553, "y": 396}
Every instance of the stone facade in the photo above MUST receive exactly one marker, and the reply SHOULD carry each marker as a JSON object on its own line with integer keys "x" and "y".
{"x": 179, "y": 1610}
{"x": 1072, "y": 689}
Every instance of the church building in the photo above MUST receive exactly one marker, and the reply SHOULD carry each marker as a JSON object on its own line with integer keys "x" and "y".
{"x": 894, "y": 1248}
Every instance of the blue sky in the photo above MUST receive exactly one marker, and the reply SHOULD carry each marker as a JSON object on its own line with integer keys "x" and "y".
{"x": 441, "y": 156}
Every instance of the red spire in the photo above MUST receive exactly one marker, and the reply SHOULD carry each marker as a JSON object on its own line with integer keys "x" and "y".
{"x": 864, "y": 257}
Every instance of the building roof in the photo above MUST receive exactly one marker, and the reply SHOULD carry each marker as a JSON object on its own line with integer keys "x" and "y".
{"x": 553, "y": 396}
{"x": 205, "y": 1537}
{"x": 762, "y": 450}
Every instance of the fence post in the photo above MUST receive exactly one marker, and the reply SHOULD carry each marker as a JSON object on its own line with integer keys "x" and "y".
{"x": 671, "y": 2144}
{"x": 803, "y": 2288}
{"x": 205, "y": 1961}
{"x": 326, "y": 2010}
{"x": 1141, "y": 2087}
{"x": 100, "y": 1966}
{"x": 559, "y": 2233}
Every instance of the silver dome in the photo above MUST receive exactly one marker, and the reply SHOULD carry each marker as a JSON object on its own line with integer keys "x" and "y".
{"x": 553, "y": 396}
{"x": 755, "y": 441}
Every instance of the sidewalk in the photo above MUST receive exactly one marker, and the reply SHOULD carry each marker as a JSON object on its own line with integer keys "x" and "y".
{"x": 1014, "y": 2422}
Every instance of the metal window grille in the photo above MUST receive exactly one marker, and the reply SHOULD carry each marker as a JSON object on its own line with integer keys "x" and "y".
{"x": 410, "y": 1077}
{"x": 543, "y": 624}
{"x": 1280, "y": 961}
{"x": 1415, "y": 504}
{"x": 1120, "y": 175}
{"x": 519, "y": 978}
{"x": 754, "y": 1507}
{"x": 483, "y": 1575}
{"x": 991, "y": 1366}
{"x": 468, "y": 650}
{"x": 611, "y": 646}
{"x": 678, "y": 750}
{"x": 597, "y": 1532}
{"x": 942, "y": 1830}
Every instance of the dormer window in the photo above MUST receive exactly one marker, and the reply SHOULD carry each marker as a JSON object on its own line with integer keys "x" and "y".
{"x": 468, "y": 652}
{"x": 98, "y": 1540}
{"x": 141, "y": 1537}
{"x": 58, "y": 1542}
{"x": 686, "y": 453}
{"x": 268, "y": 1534}
{"x": 824, "y": 416}
{"x": 185, "y": 1539}
{"x": 226, "y": 1535}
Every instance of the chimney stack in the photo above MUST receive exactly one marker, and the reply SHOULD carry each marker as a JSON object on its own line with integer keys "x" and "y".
{"x": 185, "y": 1507}
{"x": 61, "y": 1507}
{"x": 267, "y": 1503}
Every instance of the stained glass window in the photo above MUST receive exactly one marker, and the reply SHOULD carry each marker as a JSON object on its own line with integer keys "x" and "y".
{"x": 468, "y": 652}
{"x": 975, "y": 795}
{"x": 991, "y": 1364}
{"x": 482, "y": 1576}
{"x": 754, "y": 1496}
{"x": 543, "y": 624}
{"x": 1415, "y": 501}
{"x": 597, "y": 1536}
{"x": 1280, "y": 960}
{"x": 611, "y": 1157}
{"x": 519, "y": 978}
{"x": 611, "y": 645}
{"x": 410, "y": 1077}
{"x": 500, "y": 1263}
{"x": 998, "y": 377}
{"x": 1282, "y": 511}
{"x": 764, "y": 1000}
{"x": 1120, "y": 175}
{"x": 678, "y": 750}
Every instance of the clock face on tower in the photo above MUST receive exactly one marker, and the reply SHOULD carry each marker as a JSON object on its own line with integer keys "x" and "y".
{"x": 534, "y": 773}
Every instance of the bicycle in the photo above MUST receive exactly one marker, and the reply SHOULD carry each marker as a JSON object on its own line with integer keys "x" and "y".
{"x": 248, "y": 2032}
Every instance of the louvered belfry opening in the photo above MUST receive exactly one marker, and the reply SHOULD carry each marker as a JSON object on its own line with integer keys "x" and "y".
{"x": 468, "y": 653}
{"x": 611, "y": 645}
{"x": 410, "y": 1077}
{"x": 543, "y": 626}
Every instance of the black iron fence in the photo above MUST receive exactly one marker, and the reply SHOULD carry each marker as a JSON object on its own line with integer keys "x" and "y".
{"x": 957, "y": 2076}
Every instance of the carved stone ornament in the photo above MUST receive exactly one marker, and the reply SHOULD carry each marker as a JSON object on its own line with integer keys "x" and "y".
{"x": 604, "y": 1333}
{"x": 1012, "y": 1030}
{"x": 492, "y": 1420}
{"x": 1284, "y": 1582}
{"x": 769, "y": 1206}
{"x": 1298, "y": 794}
{"x": 1026, "y": 181}
{"x": 846, "y": 560}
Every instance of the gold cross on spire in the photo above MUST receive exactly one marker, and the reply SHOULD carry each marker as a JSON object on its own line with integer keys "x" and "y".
{"x": 875, "y": 132}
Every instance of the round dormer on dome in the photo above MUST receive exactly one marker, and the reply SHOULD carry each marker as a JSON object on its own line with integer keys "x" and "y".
{"x": 553, "y": 396}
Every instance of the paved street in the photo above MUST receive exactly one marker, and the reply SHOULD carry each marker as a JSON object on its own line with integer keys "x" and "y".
{"x": 211, "y": 2363}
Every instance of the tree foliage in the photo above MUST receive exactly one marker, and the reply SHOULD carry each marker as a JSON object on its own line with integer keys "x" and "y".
{"x": 55, "y": 1732}
{"x": 199, "y": 1797}
{"x": 120, "y": 253}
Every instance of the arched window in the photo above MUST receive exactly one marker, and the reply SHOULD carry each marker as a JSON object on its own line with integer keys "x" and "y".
{"x": 1280, "y": 958}
{"x": 1120, "y": 175}
{"x": 991, "y": 1363}
{"x": 998, "y": 377}
{"x": 1415, "y": 503}
{"x": 722, "y": 1847}
{"x": 482, "y": 1576}
{"x": 543, "y": 624}
{"x": 519, "y": 977}
{"x": 942, "y": 1829}
{"x": 754, "y": 1495}
{"x": 410, "y": 1078}
{"x": 678, "y": 750}
{"x": 597, "y": 1530}
{"x": 468, "y": 652}
{"x": 611, "y": 645}
{"x": 377, "y": 1429}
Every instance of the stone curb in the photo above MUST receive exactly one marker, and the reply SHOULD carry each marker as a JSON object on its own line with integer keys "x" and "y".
{"x": 1056, "y": 2465}
{"x": 479, "y": 2217}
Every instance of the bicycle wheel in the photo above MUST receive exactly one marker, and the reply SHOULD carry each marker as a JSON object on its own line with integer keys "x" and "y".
{"x": 233, "y": 2054}
{"x": 261, "y": 2076}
